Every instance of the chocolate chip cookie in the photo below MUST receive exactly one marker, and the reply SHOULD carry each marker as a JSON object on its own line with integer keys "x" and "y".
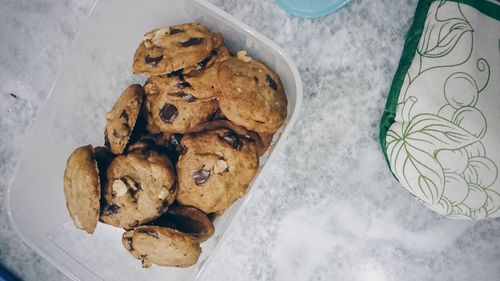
{"x": 251, "y": 95}
{"x": 161, "y": 246}
{"x": 188, "y": 220}
{"x": 121, "y": 120}
{"x": 262, "y": 141}
{"x": 82, "y": 188}
{"x": 215, "y": 169}
{"x": 194, "y": 85}
{"x": 140, "y": 187}
{"x": 178, "y": 112}
{"x": 176, "y": 47}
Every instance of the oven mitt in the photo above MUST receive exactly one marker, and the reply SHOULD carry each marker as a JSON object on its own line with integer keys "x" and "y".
{"x": 440, "y": 131}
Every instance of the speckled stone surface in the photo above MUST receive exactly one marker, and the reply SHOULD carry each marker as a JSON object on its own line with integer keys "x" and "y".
{"x": 328, "y": 209}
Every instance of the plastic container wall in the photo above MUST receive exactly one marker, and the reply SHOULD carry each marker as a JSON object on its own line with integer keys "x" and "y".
{"x": 94, "y": 73}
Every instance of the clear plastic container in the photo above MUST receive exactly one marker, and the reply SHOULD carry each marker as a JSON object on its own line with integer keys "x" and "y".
{"x": 95, "y": 71}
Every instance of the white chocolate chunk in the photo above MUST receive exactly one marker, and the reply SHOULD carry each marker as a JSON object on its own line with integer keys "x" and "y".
{"x": 220, "y": 167}
{"x": 243, "y": 56}
{"x": 163, "y": 193}
{"x": 119, "y": 188}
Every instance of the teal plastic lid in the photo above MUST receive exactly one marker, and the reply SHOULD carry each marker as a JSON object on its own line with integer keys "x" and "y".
{"x": 311, "y": 8}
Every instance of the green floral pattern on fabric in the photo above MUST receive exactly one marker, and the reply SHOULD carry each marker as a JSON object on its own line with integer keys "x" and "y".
{"x": 439, "y": 156}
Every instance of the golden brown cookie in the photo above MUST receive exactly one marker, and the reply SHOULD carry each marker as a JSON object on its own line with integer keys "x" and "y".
{"x": 122, "y": 118}
{"x": 82, "y": 188}
{"x": 172, "y": 113}
{"x": 262, "y": 141}
{"x": 194, "y": 85}
{"x": 188, "y": 220}
{"x": 140, "y": 187}
{"x": 161, "y": 246}
{"x": 251, "y": 95}
{"x": 176, "y": 47}
{"x": 215, "y": 169}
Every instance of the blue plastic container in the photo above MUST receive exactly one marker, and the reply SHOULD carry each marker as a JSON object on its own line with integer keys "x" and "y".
{"x": 5, "y": 275}
{"x": 311, "y": 8}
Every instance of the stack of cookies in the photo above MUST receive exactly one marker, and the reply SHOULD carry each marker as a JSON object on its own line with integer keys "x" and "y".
{"x": 179, "y": 150}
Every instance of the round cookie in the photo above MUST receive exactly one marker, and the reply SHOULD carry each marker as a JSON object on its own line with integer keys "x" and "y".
{"x": 161, "y": 246}
{"x": 82, "y": 188}
{"x": 176, "y": 47}
{"x": 140, "y": 187}
{"x": 215, "y": 169}
{"x": 196, "y": 84}
{"x": 188, "y": 220}
{"x": 262, "y": 141}
{"x": 178, "y": 114}
{"x": 122, "y": 118}
{"x": 251, "y": 95}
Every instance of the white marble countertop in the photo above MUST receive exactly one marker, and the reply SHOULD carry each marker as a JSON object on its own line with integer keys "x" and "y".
{"x": 330, "y": 209}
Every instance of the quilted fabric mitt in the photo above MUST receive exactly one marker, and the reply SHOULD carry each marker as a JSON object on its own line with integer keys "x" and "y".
{"x": 440, "y": 131}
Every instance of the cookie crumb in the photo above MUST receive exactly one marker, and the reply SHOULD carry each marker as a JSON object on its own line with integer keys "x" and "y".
{"x": 243, "y": 56}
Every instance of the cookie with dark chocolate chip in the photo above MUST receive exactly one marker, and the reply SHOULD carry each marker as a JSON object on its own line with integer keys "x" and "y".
{"x": 188, "y": 220}
{"x": 82, "y": 188}
{"x": 140, "y": 187}
{"x": 215, "y": 168}
{"x": 161, "y": 246}
{"x": 197, "y": 84}
{"x": 262, "y": 140}
{"x": 177, "y": 112}
{"x": 121, "y": 120}
{"x": 251, "y": 95}
{"x": 176, "y": 47}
